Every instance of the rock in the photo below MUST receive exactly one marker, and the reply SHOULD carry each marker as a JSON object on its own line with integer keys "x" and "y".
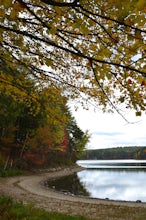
{"x": 138, "y": 201}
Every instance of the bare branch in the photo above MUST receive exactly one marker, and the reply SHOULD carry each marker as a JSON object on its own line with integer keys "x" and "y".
{"x": 106, "y": 96}
{"x": 61, "y": 4}
{"x": 111, "y": 19}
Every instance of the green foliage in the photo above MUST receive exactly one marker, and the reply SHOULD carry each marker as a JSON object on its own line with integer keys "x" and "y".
{"x": 34, "y": 124}
{"x": 52, "y": 51}
{"x": 17, "y": 211}
{"x": 9, "y": 172}
{"x": 77, "y": 139}
{"x": 116, "y": 153}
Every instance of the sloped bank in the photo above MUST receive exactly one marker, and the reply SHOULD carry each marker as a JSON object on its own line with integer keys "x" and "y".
{"x": 30, "y": 189}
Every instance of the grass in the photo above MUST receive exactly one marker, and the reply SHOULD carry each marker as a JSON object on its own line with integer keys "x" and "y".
{"x": 9, "y": 172}
{"x": 10, "y": 210}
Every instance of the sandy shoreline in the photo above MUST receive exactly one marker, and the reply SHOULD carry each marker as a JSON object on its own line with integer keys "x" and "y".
{"x": 30, "y": 189}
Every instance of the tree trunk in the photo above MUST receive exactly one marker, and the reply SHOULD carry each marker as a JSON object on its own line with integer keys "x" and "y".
{"x": 6, "y": 163}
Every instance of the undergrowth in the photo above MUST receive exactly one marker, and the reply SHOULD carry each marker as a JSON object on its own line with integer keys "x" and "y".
{"x": 9, "y": 172}
{"x": 10, "y": 210}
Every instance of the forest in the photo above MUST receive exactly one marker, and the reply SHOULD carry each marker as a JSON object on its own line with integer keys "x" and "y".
{"x": 37, "y": 128}
{"x": 51, "y": 52}
{"x": 116, "y": 153}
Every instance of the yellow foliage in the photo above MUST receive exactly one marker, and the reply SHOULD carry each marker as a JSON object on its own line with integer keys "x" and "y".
{"x": 141, "y": 5}
{"x": 66, "y": 39}
{"x": 6, "y": 3}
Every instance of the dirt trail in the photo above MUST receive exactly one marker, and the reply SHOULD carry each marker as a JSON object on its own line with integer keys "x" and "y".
{"x": 30, "y": 189}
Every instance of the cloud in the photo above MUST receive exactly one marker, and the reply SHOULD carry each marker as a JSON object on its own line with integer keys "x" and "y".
{"x": 110, "y": 130}
{"x": 102, "y": 133}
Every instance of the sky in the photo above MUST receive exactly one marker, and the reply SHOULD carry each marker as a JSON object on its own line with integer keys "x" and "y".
{"x": 110, "y": 130}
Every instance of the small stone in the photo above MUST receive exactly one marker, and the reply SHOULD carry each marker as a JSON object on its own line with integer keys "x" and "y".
{"x": 138, "y": 201}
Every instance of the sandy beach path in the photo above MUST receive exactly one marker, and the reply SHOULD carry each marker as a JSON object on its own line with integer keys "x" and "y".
{"x": 30, "y": 189}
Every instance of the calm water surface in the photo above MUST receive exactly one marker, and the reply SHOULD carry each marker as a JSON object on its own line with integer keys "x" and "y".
{"x": 117, "y": 180}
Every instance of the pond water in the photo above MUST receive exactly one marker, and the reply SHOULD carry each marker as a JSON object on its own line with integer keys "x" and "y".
{"x": 116, "y": 180}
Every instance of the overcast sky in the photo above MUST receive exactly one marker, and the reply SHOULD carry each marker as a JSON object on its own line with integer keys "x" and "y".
{"x": 110, "y": 130}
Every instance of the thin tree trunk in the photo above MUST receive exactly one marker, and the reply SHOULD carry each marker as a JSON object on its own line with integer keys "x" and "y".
{"x": 24, "y": 145}
{"x": 11, "y": 163}
{"x": 6, "y": 163}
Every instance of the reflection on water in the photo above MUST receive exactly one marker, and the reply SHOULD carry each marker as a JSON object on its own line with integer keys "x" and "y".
{"x": 114, "y": 184}
{"x": 138, "y": 164}
{"x": 107, "y": 180}
{"x": 68, "y": 185}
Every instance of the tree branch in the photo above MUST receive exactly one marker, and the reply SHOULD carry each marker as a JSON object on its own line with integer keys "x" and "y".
{"x": 110, "y": 19}
{"x": 106, "y": 96}
{"x": 61, "y": 4}
{"x": 79, "y": 54}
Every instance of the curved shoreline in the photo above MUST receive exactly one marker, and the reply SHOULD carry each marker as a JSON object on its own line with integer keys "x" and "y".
{"x": 30, "y": 189}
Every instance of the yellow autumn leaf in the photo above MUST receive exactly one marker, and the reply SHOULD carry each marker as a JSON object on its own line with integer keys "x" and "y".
{"x": 17, "y": 7}
{"x": 48, "y": 62}
{"x": 138, "y": 113}
{"x": 7, "y": 3}
{"x": 141, "y": 4}
{"x": 52, "y": 30}
{"x": 2, "y": 12}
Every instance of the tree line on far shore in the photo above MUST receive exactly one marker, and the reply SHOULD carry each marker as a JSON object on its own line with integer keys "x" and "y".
{"x": 91, "y": 52}
{"x": 116, "y": 153}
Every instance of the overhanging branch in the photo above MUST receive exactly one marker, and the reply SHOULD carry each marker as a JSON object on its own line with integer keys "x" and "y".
{"x": 72, "y": 52}
{"x": 110, "y": 19}
{"x": 106, "y": 96}
{"x": 61, "y": 4}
